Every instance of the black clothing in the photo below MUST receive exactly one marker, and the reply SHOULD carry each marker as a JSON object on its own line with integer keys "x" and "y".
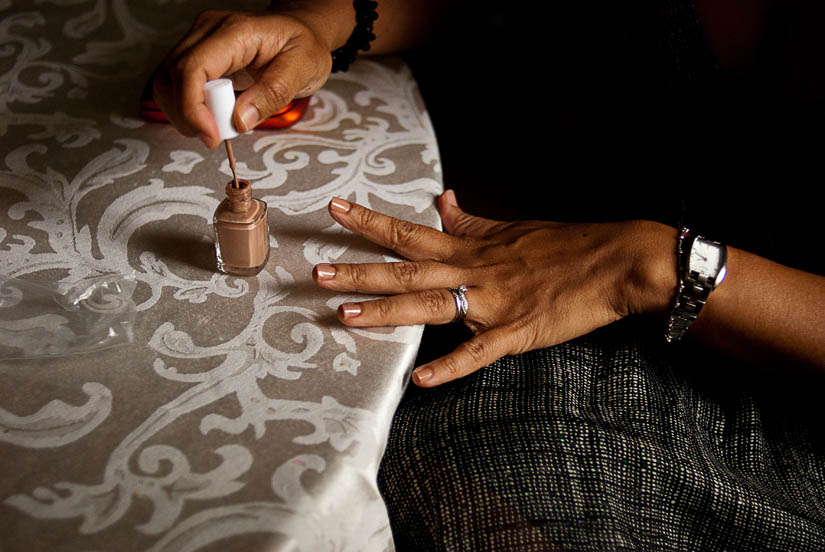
{"x": 608, "y": 442}
{"x": 614, "y": 441}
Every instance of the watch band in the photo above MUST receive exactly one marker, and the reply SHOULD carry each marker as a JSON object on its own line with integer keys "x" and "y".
{"x": 691, "y": 292}
{"x": 677, "y": 325}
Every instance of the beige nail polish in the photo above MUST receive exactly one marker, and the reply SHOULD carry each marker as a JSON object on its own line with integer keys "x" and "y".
{"x": 325, "y": 271}
{"x": 422, "y": 375}
{"x": 349, "y": 310}
{"x": 340, "y": 205}
{"x": 241, "y": 231}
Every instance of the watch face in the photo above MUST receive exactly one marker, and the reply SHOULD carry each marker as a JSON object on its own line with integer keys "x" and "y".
{"x": 706, "y": 258}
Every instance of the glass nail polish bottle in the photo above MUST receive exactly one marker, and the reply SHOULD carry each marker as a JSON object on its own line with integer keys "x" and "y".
{"x": 241, "y": 231}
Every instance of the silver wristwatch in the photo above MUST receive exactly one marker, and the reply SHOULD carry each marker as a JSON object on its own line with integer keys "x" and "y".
{"x": 702, "y": 267}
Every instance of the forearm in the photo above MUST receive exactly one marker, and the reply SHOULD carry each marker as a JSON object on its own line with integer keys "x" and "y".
{"x": 762, "y": 311}
{"x": 401, "y": 24}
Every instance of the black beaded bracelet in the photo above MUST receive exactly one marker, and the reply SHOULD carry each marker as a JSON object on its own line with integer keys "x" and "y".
{"x": 360, "y": 38}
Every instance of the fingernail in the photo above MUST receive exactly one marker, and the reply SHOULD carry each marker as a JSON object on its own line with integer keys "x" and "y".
{"x": 249, "y": 118}
{"x": 449, "y": 195}
{"x": 340, "y": 205}
{"x": 324, "y": 271}
{"x": 349, "y": 310}
{"x": 421, "y": 375}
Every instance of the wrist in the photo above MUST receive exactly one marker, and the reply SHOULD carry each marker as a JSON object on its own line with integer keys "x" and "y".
{"x": 331, "y": 21}
{"x": 654, "y": 276}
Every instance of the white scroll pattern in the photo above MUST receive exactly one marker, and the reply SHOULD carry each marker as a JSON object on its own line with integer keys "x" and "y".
{"x": 83, "y": 182}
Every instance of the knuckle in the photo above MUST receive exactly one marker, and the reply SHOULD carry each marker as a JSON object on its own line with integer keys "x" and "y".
{"x": 366, "y": 218}
{"x": 473, "y": 251}
{"x": 451, "y": 366}
{"x": 240, "y": 24}
{"x": 206, "y": 17}
{"x": 402, "y": 232}
{"x": 277, "y": 93}
{"x": 183, "y": 66}
{"x": 477, "y": 350}
{"x": 358, "y": 275}
{"x": 178, "y": 67}
{"x": 524, "y": 324}
{"x": 465, "y": 224}
{"x": 525, "y": 332}
{"x": 234, "y": 19}
{"x": 383, "y": 308}
{"x": 433, "y": 301}
{"x": 405, "y": 272}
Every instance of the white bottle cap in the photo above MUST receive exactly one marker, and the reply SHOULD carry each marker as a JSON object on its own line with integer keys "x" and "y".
{"x": 220, "y": 99}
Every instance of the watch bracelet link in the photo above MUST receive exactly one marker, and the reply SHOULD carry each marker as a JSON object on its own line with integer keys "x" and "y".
{"x": 685, "y": 311}
{"x": 676, "y": 325}
{"x": 692, "y": 290}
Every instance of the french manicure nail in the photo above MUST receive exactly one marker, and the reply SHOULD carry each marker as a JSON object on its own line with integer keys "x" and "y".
{"x": 350, "y": 310}
{"x": 421, "y": 375}
{"x": 340, "y": 204}
{"x": 325, "y": 271}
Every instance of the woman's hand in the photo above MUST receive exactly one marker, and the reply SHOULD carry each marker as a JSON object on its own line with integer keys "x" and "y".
{"x": 530, "y": 284}
{"x": 278, "y": 56}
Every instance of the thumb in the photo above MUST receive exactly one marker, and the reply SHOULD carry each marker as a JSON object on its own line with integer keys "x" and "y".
{"x": 459, "y": 223}
{"x": 288, "y": 76}
{"x": 267, "y": 96}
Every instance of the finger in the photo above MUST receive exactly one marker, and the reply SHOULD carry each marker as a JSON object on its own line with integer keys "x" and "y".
{"x": 471, "y": 355}
{"x": 413, "y": 241}
{"x": 431, "y": 306}
{"x": 241, "y": 80}
{"x": 226, "y": 50}
{"x": 204, "y": 24}
{"x": 386, "y": 278}
{"x": 167, "y": 89}
{"x": 459, "y": 223}
{"x": 229, "y": 45}
{"x": 166, "y": 92}
{"x": 292, "y": 73}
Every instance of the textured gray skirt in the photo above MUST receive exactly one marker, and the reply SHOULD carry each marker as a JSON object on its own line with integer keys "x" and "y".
{"x": 610, "y": 442}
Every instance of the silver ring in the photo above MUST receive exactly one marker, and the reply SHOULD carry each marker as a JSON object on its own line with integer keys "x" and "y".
{"x": 460, "y": 302}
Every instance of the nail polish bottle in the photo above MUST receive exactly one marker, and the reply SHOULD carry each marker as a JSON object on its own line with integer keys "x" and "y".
{"x": 241, "y": 231}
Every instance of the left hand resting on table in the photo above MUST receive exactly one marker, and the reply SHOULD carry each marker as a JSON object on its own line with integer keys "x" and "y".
{"x": 530, "y": 284}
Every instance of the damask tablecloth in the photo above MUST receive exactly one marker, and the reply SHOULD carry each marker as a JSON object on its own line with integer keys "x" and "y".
{"x": 242, "y": 416}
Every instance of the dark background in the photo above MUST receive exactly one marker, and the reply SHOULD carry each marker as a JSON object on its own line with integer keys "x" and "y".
{"x": 600, "y": 111}
{"x": 606, "y": 111}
